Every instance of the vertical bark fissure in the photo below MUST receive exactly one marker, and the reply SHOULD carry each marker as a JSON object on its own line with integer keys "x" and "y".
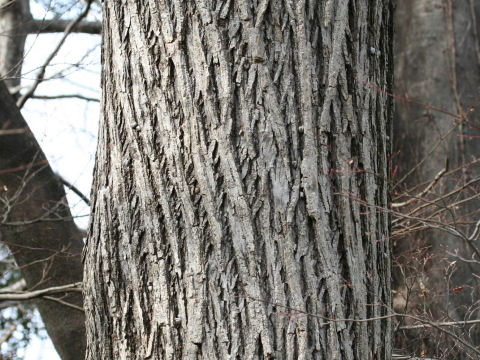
{"x": 234, "y": 116}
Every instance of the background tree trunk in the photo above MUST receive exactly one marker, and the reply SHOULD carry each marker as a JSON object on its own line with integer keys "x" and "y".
{"x": 438, "y": 63}
{"x": 37, "y": 226}
{"x": 35, "y": 220}
{"x": 239, "y": 145}
{"x": 14, "y": 19}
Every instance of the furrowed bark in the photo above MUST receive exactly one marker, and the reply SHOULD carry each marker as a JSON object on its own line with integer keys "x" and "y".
{"x": 37, "y": 226}
{"x": 238, "y": 146}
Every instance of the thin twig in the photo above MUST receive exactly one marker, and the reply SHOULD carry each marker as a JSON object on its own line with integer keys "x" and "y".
{"x": 74, "y": 189}
{"x": 441, "y": 198}
{"x": 423, "y": 193}
{"x": 440, "y": 328}
{"x": 447, "y": 323}
{"x": 68, "y": 96}
{"x": 75, "y": 287}
{"x": 51, "y": 298}
{"x": 432, "y": 150}
{"x": 451, "y": 172}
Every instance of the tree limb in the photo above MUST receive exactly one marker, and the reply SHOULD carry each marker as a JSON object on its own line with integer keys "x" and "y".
{"x": 57, "y": 26}
{"x": 15, "y": 287}
{"x": 28, "y": 295}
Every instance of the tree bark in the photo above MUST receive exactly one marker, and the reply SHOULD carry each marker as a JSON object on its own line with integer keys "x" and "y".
{"x": 240, "y": 178}
{"x": 14, "y": 16}
{"x": 37, "y": 226}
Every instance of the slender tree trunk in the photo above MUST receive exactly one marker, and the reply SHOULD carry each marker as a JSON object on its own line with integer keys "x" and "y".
{"x": 239, "y": 145}
{"x": 14, "y": 18}
{"x": 438, "y": 63}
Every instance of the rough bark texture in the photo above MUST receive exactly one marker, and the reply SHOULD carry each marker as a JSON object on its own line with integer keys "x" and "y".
{"x": 235, "y": 141}
{"x": 438, "y": 63}
{"x": 36, "y": 224}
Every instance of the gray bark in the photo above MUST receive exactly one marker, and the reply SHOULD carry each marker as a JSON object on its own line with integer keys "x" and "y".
{"x": 13, "y": 17}
{"x": 236, "y": 139}
{"x": 438, "y": 63}
{"x": 36, "y": 225}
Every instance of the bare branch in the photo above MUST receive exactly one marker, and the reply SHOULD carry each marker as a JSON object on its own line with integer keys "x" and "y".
{"x": 24, "y": 167}
{"x": 423, "y": 193}
{"x": 15, "y": 287}
{"x": 28, "y": 295}
{"x": 43, "y": 68}
{"x": 475, "y": 232}
{"x": 430, "y": 152}
{"x": 440, "y": 328}
{"x": 65, "y": 303}
{"x": 408, "y": 357}
{"x": 13, "y": 131}
{"x": 8, "y": 334}
{"x": 68, "y": 96}
{"x": 446, "y": 323}
{"x": 12, "y": 296}
{"x": 57, "y": 25}
{"x": 74, "y": 189}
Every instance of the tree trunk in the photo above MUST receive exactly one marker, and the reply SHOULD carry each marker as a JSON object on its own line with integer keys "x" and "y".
{"x": 14, "y": 18}
{"x": 35, "y": 222}
{"x": 239, "y": 182}
{"x": 438, "y": 63}
{"x": 37, "y": 226}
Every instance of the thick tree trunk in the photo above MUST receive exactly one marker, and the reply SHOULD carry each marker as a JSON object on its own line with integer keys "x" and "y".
{"x": 438, "y": 63}
{"x": 36, "y": 225}
{"x": 238, "y": 146}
